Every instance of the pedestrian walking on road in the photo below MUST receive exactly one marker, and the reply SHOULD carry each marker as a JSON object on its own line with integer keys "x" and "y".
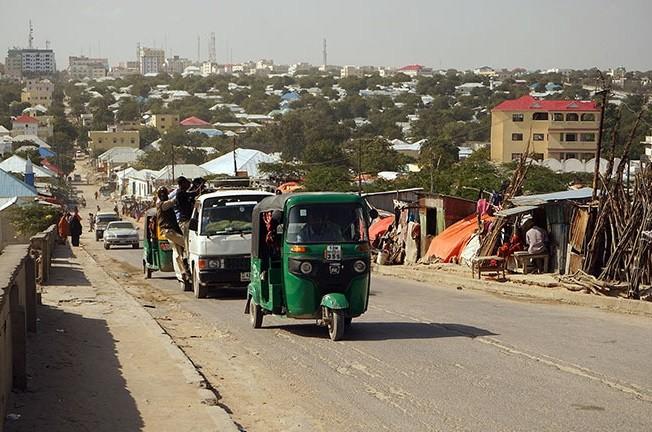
{"x": 75, "y": 228}
{"x": 91, "y": 222}
{"x": 96, "y": 195}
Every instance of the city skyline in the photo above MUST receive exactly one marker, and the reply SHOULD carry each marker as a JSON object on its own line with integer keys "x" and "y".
{"x": 464, "y": 35}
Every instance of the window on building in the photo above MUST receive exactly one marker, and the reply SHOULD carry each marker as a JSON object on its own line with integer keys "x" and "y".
{"x": 133, "y": 141}
{"x": 572, "y": 117}
{"x": 537, "y": 156}
{"x": 571, "y": 137}
{"x": 517, "y": 117}
{"x": 566, "y": 156}
{"x": 99, "y": 140}
{"x": 558, "y": 117}
{"x": 162, "y": 126}
{"x": 540, "y": 116}
{"x": 516, "y": 156}
{"x": 587, "y": 137}
{"x": 114, "y": 141}
{"x": 588, "y": 117}
{"x": 517, "y": 137}
{"x": 538, "y": 137}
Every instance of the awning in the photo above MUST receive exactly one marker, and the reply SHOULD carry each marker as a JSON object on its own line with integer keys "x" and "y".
{"x": 515, "y": 210}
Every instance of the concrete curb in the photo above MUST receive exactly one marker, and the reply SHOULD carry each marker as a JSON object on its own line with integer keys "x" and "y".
{"x": 512, "y": 289}
{"x": 219, "y": 415}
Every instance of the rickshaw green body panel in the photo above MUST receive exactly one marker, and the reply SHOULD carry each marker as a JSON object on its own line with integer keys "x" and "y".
{"x": 280, "y": 290}
{"x": 157, "y": 253}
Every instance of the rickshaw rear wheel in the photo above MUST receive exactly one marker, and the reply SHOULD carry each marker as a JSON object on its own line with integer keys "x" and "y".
{"x": 256, "y": 315}
{"x": 336, "y": 324}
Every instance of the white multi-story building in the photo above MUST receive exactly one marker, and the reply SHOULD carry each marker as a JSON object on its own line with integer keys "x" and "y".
{"x": 151, "y": 60}
{"x": 30, "y": 62}
{"x": 350, "y": 71}
{"x": 648, "y": 149}
{"x": 85, "y": 67}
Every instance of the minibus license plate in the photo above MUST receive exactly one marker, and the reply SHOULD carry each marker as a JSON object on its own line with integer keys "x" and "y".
{"x": 333, "y": 253}
{"x": 245, "y": 277}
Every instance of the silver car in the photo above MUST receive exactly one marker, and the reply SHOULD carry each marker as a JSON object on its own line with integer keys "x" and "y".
{"x": 121, "y": 233}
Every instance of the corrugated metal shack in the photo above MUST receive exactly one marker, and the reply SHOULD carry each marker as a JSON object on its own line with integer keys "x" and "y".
{"x": 438, "y": 212}
{"x": 556, "y": 212}
{"x": 385, "y": 200}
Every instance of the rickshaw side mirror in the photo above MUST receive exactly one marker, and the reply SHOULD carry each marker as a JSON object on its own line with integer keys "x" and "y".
{"x": 192, "y": 224}
{"x": 373, "y": 214}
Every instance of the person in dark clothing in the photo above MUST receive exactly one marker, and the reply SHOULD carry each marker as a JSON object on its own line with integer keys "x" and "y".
{"x": 75, "y": 228}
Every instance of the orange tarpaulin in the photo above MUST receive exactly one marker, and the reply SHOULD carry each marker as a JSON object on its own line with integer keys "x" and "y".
{"x": 380, "y": 227}
{"x": 448, "y": 245}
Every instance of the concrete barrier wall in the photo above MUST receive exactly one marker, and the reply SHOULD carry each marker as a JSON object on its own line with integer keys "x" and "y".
{"x": 18, "y": 302}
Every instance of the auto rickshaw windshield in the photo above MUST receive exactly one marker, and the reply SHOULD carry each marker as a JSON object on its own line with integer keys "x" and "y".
{"x": 326, "y": 223}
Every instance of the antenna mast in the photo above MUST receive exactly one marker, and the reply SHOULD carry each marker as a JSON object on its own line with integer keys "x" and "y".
{"x": 212, "y": 52}
{"x": 325, "y": 54}
{"x": 30, "y": 39}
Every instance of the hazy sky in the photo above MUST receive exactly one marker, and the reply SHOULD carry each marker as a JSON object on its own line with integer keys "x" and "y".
{"x": 438, "y": 33}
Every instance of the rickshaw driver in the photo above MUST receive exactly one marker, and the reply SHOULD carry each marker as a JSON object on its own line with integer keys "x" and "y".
{"x": 318, "y": 229}
{"x": 167, "y": 221}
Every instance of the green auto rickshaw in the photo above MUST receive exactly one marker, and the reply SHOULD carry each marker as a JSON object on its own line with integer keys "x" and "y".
{"x": 157, "y": 251}
{"x": 310, "y": 259}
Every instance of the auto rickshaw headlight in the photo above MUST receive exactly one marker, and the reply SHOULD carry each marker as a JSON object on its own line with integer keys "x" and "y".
{"x": 306, "y": 267}
{"x": 360, "y": 266}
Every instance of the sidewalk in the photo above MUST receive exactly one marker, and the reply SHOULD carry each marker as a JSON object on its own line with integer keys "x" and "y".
{"x": 536, "y": 287}
{"x": 99, "y": 362}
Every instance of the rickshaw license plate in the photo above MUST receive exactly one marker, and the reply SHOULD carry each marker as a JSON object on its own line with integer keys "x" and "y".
{"x": 245, "y": 277}
{"x": 334, "y": 269}
{"x": 333, "y": 253}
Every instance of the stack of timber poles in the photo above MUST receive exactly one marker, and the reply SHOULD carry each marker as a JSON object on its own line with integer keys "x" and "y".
{"x": 618, "y": 256}
{"x": 491, "y": 241}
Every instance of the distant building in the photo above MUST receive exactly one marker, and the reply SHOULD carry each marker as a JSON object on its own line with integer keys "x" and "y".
{"x": 163, "y": 122}
{"x": 85, "y": 67}
{"x": 554, "y": 129}
{"x": 24, "y": 125}
{"x": 151, "y": 60}
{"x": 100, "y": 141}
{"x": 415, "y": 70}
{"x": 37, "y": 92}
{"x": 350, "y": 71}
{"x": 647, "y": 157}
{"x": 176, "y": 64}
{"x": 125, "y": 69}
{"x": 30, "y": 62}
{"x": 298, "y": 68}
{"x": 485, "y": 71}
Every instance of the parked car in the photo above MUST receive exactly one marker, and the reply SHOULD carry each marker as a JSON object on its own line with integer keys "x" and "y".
{"x": 121, "y": 233}
{"x": 102, "y": 219}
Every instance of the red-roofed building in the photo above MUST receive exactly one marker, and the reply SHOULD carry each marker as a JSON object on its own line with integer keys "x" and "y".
{"x": 195, "y": 122}
{"x": 415, "y": 70}
{"x": 24, "y": 125}
{"x": 553, "y": 129}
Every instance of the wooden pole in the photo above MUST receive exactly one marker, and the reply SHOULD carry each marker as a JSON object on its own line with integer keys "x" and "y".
{"x": 598, "y": 151}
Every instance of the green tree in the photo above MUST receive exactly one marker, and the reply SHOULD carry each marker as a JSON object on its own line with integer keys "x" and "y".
{"x": 129, "y": 110}
{"x": 32, "y": 218}
{"x": 148, "y": 134}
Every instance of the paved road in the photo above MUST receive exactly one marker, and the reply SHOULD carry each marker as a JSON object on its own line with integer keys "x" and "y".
{"x": 422, "y": 358}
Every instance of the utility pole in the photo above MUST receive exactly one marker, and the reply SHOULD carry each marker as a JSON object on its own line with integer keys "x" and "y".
{"x": 360, "y": 167}
{"x": 598, "y": 152}
{"x": 173, "y": 161}
{"x": 235, "y": 162}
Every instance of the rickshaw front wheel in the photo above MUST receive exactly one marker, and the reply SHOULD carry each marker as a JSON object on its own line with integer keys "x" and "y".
{"x": 147, "y": 271}
{"x": 256, "y": 315}
{"x": 336, "y": 324}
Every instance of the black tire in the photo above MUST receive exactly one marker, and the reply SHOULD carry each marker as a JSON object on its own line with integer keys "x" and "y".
{"x": 199, "y": 290}
{"x": 147, "y": 271}
{"x": 255, "y": 315}
{"x": 347, "y": 322}
{"x": 135, "y": 246}
{"x": 106, "y": 246}
{"x": 336, "y": 324}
